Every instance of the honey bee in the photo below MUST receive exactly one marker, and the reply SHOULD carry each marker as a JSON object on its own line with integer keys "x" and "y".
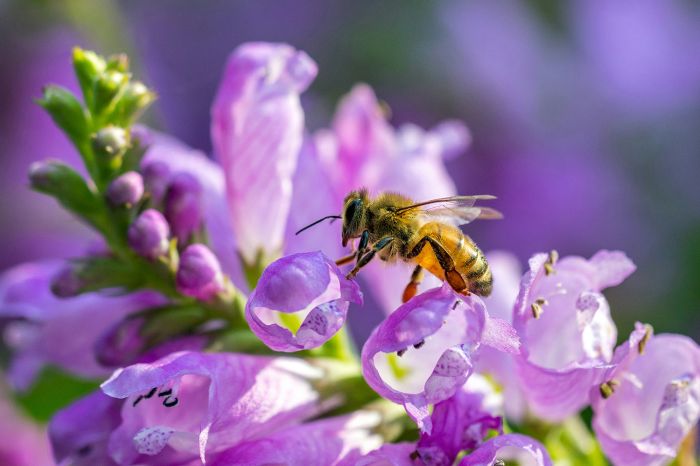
{"x": 426, "y": 233}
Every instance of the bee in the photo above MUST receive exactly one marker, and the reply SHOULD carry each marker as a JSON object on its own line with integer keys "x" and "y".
{"x": 395, "y": 227}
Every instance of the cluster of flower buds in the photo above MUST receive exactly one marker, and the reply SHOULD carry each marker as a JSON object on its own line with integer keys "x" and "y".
{"x": 443, "y": 379}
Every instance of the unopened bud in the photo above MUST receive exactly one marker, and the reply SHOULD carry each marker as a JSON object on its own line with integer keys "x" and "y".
{"x": 126, "y": 189}
{"x": 110, "y": 142}
{"x": 88, "y": 67}
{"x": 156, "y": 176}
{"x": 149, "y": 233}
{"x": 135, "y": 98}
{"x": 66, "y": 111}
{"x": 67, "y": 282}
{"x": 118, "y": 62}
{"x": 183, "y": 205}
{"x": 57, "y": 179}
{"x": 107, "y": 87}
{"x": 199, "y": 274}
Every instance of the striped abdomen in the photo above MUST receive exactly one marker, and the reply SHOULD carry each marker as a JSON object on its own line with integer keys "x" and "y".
{"x": 462, "y": 254}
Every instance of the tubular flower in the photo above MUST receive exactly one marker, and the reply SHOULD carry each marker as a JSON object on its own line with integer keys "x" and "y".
{"x": 522, "y": 448}
{"x": 40, "y": 328}
{"x": 308, "y": 292}
{"x": 650, "y": 401}
{"x": 423, "y": 352}
{"x": 565, "y": 325}
{"x": 257, "y": 127}
{"x": 192, "y": 404}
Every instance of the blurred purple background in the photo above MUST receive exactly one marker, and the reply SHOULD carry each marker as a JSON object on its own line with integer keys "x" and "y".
{"x": 585, "y": 115}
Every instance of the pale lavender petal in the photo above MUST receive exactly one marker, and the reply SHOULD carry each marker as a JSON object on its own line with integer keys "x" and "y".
{"x": 257, "y": 131}
{"x": 41, "y": 328}
{"x": 308, "y": 288}
{"x": 567, "y": 332}
{"x": 195, "y": 404}
{"x": 454, "y": 138}
{"x": 522, "y": 448}
{"x": 80, "y": 432}
{"x": 422, "y": 353}
{"x": 390, "y": 454}
{"x": 320, "y": 443}
{"x": 654, "y": 402}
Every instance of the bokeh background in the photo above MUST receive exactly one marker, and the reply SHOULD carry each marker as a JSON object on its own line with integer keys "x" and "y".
{"x": 585, "y": 115}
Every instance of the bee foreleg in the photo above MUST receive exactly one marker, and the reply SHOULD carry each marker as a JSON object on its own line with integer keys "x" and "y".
{"x": 412, "y": 287}
{"x": 364, "y": 260}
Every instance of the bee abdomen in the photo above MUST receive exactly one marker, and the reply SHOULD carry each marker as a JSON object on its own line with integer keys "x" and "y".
{"x": 477, "y": 272}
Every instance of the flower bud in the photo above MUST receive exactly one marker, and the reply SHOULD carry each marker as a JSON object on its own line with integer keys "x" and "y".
{"x": 155, "y": 179}
{"x": 66, "y": 111}
{"x": 135, "y": 98}
{"x": 126, "y": 189}
{"x": 183, "y": 205}
{"x": 199, "y": 274}
{"x": 88, "y": 67}
{"x": 149, "y": 233}
{"x": 110, "y": 142}
{"x": 67, "y": 282}
{"x": 107, "y": 87}
{"x": 118, "y": 62}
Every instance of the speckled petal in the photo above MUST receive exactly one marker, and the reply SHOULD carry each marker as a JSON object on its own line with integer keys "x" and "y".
{"x": 307, "y": 287}
{"x": 195, "y": 404}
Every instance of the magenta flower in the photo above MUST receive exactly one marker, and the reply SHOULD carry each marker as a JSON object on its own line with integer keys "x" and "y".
{"x": 199, "y": 273}
{"x": 650, "y": 400}
{"x": 423, "y": 352}
{"x": 149, "y": 234}
{"x": 565, "y": 325}
{"x": 257, "y": 130}
{"x": 191, "y": 404}
{"x": 319, "y": 443}
{"x": 41, "y": 328}
{"x": 522, "y": 448}
{"x": 310, "y": 289}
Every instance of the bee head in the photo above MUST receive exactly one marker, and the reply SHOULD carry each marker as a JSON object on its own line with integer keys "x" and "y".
{"x": 354, "y": 214}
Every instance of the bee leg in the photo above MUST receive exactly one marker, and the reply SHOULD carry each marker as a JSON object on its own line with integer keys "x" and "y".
{"x": 364, "y": 260}
{"x": 346, "y": 259}
{"x": 412, "y": 287}
{"x": 453, "y": 277}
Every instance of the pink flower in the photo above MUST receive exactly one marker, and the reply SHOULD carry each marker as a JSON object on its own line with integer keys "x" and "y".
{"x": 257, "y": 129}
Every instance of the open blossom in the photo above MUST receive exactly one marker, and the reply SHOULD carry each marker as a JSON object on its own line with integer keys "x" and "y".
{"x": 40, "y": 328}
{"x": 423, "y": 352}
{"x": 257, "y": 127}
{"x": 308, "y": 288}
{"x": 651, "y": 400}
{"x": 189, "y": 405}
{"x": 565, "y": 325}
{"x": 523, "y": 449}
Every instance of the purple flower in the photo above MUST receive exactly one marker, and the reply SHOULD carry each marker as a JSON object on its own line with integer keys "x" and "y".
{"x": 199, "y": 273}
{"x": 149, "y": 234}
{"x": 79, "y": 433}
{"x": 306, "y": 291}
{"x": 41, "y": 328}
{"x": 257, "y": 130}
{"x": 318, "y": 443}
{"x": 522, "y": 448}
{"x": 650, "y": 400}
{"x": 565, "y": 325}
{"x": 192, "y": 404}
{"x": 423, "y": 352}
{"x": 390, "y": 454}
{"x": 126, "y": 189}
{"x": 461, "y": 423}
{"x": 183, "y": 206}
{"x": 155, "y": 179}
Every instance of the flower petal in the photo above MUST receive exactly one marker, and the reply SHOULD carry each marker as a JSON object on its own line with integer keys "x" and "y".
{"x": 308, "y": 288}
{"x": 257, "y": 131}
{"x": 510, "y": 446}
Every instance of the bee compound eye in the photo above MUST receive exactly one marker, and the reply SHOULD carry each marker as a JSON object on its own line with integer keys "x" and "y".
{"x": 352, "y": 209}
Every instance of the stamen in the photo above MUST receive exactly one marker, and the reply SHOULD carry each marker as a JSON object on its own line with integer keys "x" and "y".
{"x": 536, "y": 310}
{"x": 419, "y": 344}
{"x": 401, "y": 352}
{"x": 608, "y": 388}
{"x": 414, "y": 455}
{"x": 499, "y": 462}
{"x": 551, "y": 260}
{"x": 648, "y": 330}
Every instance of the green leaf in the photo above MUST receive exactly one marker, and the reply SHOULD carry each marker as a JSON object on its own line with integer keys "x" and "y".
{"x": 67, "y": 112}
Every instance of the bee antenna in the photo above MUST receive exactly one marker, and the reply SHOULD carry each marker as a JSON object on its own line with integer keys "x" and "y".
{"x": 334, "y": 217}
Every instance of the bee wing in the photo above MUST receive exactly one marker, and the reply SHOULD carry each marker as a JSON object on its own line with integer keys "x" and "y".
{"x": 458, "y": 210}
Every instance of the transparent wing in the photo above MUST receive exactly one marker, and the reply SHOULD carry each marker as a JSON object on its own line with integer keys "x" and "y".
{"x": 457, "y": 210}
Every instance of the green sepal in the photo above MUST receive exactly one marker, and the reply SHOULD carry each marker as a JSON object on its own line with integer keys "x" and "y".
{"x": 163, "y": 323}
{"x": 88, "y": 67}
{"x": 67, "y": 112}
{"x": 107, "y": 90}
{"x": 69, "y": 188}
{"x": 98, "y": 273}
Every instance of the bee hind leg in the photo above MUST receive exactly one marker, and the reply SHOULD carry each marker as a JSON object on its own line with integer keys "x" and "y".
{"x": 452, "y": 276}
{"x": 412, "y": 287}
